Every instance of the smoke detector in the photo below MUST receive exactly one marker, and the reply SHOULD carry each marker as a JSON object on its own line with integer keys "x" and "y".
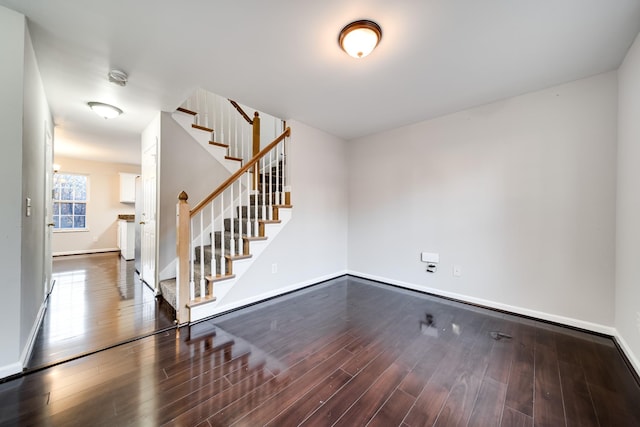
{"x": 118, "y": 77}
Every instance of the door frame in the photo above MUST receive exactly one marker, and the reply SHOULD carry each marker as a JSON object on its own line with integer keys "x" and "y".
{"x": 47, "y": 255}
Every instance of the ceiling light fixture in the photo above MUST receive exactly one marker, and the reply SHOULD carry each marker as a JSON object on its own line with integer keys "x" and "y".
{"x": 118, "y": 77}
{"x": 359, "y": 38}
{"x": 105, "y": 110}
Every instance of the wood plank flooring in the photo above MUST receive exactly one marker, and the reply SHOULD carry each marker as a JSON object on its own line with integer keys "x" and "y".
{"x": 97, "y": 301}
{"x": 345, "y": 353}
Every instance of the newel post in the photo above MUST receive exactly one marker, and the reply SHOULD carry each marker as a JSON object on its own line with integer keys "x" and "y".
{"x": 183, "y": 233}
{"x": 256, "y": 147}
{"x": 256, "y": 133}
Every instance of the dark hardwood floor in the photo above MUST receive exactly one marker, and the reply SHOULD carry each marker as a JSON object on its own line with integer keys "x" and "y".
{"x": 97, "y": 301}
{"x": 347, "y": 353}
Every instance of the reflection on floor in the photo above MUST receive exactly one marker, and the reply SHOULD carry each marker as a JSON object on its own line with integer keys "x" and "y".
{"x": 347, "y": 353}
{"x": 97, "y": 301}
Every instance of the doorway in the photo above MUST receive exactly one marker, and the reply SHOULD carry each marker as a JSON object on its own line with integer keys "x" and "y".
{"x": 98, "y": 300}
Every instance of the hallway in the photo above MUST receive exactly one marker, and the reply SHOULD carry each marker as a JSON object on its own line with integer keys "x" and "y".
{"x": 97, "y": 301}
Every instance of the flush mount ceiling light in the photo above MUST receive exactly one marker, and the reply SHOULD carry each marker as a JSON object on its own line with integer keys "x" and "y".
{"x": 105, "y": 110}
{"x": 359, "y": 38}
{"x": 118, "y": 77}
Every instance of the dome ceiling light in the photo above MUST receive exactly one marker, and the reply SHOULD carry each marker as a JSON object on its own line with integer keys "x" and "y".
{"x": 105, "y": 111}
{"x": 359, "y": 38}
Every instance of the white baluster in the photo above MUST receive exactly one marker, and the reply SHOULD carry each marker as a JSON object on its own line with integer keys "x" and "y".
{"x": 278, "y": 189}
{"x": 202, "y": 261}
{"x": 206, "y": 109}
{"x": 235, "y": 136}
{"x": 281, "y": 165}
{"x": 248, "y": 211}
{"x": 232, "y": 241}
{"x": 198, "y": 106}
{"x": 223, "y": 264}
{"x": 264, "y": 195}
{"x": 213, "y": 240}
{"x": 222, "y": 134}
{"x": 270, "y": 210}
{"x": 256, "y": 195}
{"x": 242, "y": 142}
{"x": 214, "y": 117}
{"x": 229, "y": 136}
{"x": 285, "y": 164}
{"x": 240, "y": 219}
{"x": 275, "y": 128}
{"x": 191, "y": 266}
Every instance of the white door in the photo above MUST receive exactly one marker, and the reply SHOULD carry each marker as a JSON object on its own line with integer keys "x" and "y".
{"x": 48, "y": 208}
{"x": 148, "y": 247}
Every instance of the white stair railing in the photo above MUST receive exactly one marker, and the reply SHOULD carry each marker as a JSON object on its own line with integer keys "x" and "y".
{"x": 265, "y": 178}
{"x": 231, "y": 124}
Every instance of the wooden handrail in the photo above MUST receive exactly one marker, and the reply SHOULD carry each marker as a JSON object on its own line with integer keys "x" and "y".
{"x": 239, "y": 173}
{"x": 241, "y": 111}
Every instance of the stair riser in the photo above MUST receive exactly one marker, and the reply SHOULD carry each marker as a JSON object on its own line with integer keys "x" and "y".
{"x": 207, "y": 267}
{"x": 239, "y": 246}
{"x": 261, "y": 199}
{"x": 268, "y": 188}
{"x": 273, "y": 179}
{"x": 246, "y": 225}
{"x": 250, "y": 212}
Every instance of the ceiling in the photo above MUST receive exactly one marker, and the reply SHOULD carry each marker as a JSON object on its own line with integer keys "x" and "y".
{"x": 282, "y": 57}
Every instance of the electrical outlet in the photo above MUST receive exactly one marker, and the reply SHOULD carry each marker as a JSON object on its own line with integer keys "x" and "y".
{"x": 457, "y": 271}
{"x": 274, "y": 268}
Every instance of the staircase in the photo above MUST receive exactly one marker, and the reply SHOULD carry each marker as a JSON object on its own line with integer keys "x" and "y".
{"x": 221, "y": 236}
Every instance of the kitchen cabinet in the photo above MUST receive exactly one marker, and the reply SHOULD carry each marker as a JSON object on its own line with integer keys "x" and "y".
{"x": 126, "y": 239}
{"x": 128, "y": 187}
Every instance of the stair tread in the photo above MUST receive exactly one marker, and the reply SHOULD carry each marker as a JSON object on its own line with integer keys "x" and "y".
{"x": 184, "y": 110}
{"x": 237, "y": 257}
{"x": 206, "y": 129}
{"x": 220, "y": 277}
{"x": 219, "y": 144}
{"x": 201, "y": 300}
{"x": 269, "y": 221}
{"x": 233, "y": 158}
{"x": 254, "y": 238}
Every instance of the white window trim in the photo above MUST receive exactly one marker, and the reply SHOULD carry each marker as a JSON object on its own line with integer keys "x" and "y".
{"x": 86, "y": 202}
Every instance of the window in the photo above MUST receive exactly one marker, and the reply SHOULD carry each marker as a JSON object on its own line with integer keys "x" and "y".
{"x": 69, "y": 202}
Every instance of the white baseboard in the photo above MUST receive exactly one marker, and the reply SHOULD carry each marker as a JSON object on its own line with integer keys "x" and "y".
{"x": 86, "y": 251}
{"x": 568, "y": 321}
{"x": 26, "y": 352}
{"x": 222, "y": 308}
{"x": 628, "y": 352}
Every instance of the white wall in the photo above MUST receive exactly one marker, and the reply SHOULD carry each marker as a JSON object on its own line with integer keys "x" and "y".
{"x": 313, "y": 244}
{"x": 627, "y": 303}
{"x": 103, "y": 207}
{"x": 186, "y": 166}
{"x": 519, "y": 193}
{"x": 12, "y": 30}
{"x": 24, "y": 118}
{"x": 37, "y": 122}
